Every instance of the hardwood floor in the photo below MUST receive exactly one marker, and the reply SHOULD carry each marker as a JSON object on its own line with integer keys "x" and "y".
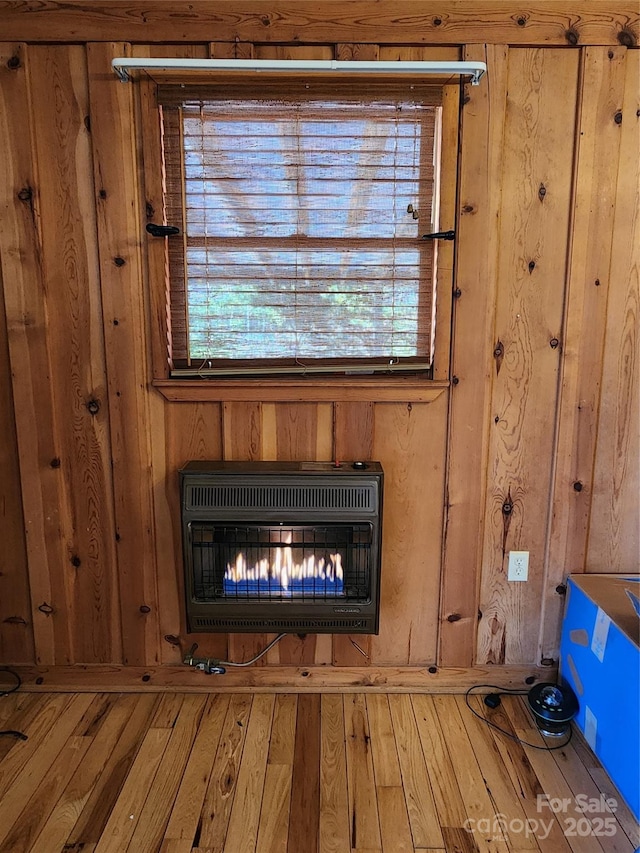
{"x": 308, "y": 773}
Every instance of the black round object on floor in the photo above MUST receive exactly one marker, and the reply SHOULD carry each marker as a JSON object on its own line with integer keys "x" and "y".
{"x": 553, "y": 708}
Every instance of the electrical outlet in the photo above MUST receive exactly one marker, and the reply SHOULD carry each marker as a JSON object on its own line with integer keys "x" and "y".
{"x": 518, "y": 566}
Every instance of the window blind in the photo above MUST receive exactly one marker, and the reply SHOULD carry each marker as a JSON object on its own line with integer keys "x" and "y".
{"x": 301, "y": 208}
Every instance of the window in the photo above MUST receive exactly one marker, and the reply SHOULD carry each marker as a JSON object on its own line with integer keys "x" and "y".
{"x": 302, "y": 207}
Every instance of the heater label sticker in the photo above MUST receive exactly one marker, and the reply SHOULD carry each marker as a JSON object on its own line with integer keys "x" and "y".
{"x": 590, "y": 727}
{"x": 600, "y": 634}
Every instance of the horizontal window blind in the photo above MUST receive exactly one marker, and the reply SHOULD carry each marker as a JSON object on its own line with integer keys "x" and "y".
{"x": 301, "y": 213}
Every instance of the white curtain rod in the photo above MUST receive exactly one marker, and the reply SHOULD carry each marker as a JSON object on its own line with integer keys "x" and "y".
{"x": 475, "y": 70}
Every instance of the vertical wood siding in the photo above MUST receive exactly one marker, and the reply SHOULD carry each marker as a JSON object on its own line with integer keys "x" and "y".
{"x": 543, "y": 357}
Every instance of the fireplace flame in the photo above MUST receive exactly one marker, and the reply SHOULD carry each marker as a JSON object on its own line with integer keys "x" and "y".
{"x": 284, "y": 569}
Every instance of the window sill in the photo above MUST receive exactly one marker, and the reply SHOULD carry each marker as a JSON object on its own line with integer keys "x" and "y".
{"x": 345, "y": 389}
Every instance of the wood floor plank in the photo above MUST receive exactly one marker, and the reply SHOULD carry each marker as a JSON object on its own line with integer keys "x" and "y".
{"x": 183, "y": 822}
{"x": 334, "y": 800}
{"x": 176, "y": 845}
{"x": 19, "y": 713}
{"x": 24, "y": 785}
{"x": 304, "y": 818}
{"x": 363, "y": 808}
{"x": 525, "y": 782}
{"x": 155, "y": 814}
{"x": 578, "y": 778}
{"x": 276, "y": 798}
{"x": 442, "y": 775}
{"x": 37, "y": 726}
{"x": 95, "y": 791}
{"x": 70, "y": 805}
{"x": 214, "y": 820}
{"x": 167, "y": 710}
{"x": 128, "y": 807}
{"x": 283, "y": 730}
{"x": 290, "y": 774}
{"x": 242, "y": 833}
{"x": 423, "y": 817}
{"x": 476, "y": 797}
{"x": 494, "y": 772}
{"x": 385, "y": 755}
{"x": 624, "y": 816}
{"x": 30, "y": 821}
{"x": 273, "y": 830}
{"x": 394, "y": 821}
{"x": 550, "y": 777}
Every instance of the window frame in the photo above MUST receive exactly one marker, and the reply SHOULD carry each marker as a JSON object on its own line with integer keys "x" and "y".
{"x": 418, "y": 387}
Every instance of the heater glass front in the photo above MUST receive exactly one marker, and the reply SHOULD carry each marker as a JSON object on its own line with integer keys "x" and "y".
{"x": 281, "y": 562}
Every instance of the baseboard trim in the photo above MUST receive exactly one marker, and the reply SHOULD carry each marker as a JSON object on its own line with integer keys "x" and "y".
{"x": 277, "y": 679}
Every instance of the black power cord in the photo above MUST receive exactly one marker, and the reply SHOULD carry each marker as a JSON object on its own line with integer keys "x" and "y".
{"x": 494, "y": 701}
{"x": 16, "y": 686}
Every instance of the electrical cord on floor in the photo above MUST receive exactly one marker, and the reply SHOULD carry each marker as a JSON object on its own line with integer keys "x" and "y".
{"x": 505, "y": 691}
{"x": 16, "y": 685}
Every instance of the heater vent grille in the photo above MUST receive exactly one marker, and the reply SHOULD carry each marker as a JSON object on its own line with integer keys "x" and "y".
{"x": 283, "y": 498}
{"x": 204, "y": 622}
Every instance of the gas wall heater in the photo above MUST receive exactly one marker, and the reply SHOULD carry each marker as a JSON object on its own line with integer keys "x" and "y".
{"x": 282, "y": 546}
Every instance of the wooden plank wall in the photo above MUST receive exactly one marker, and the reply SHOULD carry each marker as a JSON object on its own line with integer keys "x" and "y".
{"x": 535, "y": 444}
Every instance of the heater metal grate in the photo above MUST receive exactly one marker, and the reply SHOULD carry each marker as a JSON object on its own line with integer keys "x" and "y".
{"x": 282, "y": 498}
{"x": 272, "y": 625}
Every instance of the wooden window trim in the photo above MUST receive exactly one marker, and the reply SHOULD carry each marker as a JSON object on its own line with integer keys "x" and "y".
{"x": 318, "y": 388}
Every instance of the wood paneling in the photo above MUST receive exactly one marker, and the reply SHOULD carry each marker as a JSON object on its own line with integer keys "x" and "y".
{"x": 479, "y": 198}
{"x": 614, "y": 537}
{"x": 119, "y": 217}
{"x": 59, "y": 94}
{"x": 533, "y": 234}
{"x": 45, "y": 503}
{"x": 409, "y": 441}
{"x": 545, "y": 207}
{"x": 16, "y": 629}
{"x": 415, "y": 21}
{"x": 583, "y": 340}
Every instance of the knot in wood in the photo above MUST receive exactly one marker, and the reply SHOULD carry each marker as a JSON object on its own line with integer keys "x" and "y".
{"x": 13, "y": 62}
{"x": 521, "y": 21}
{"x": 25, "y": 194}
{"x": 433, "y": 669}
{"x": 626, "y": 38}
{"x": 618, "y": 117}
{"x": 571, "y": 36}
{"x": 577, "y": 486}
{"x": 547, "y": 662}
{"x": 457, "y": 293}
{"x": 55, "y": 462}
{"x": 561, "y": 589}
{"x": 454, "y": 617}
{"x": 507, "y": 508}
{"x": 76, "y": 562}
{"x": 45, "y": 608}
{"x": 437, "y": 22}
{"x": 554, "y": 343}
{"x": 170, "y": 638}
{"x": 93, "y": 407}
{"x": 542, "y": 191}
